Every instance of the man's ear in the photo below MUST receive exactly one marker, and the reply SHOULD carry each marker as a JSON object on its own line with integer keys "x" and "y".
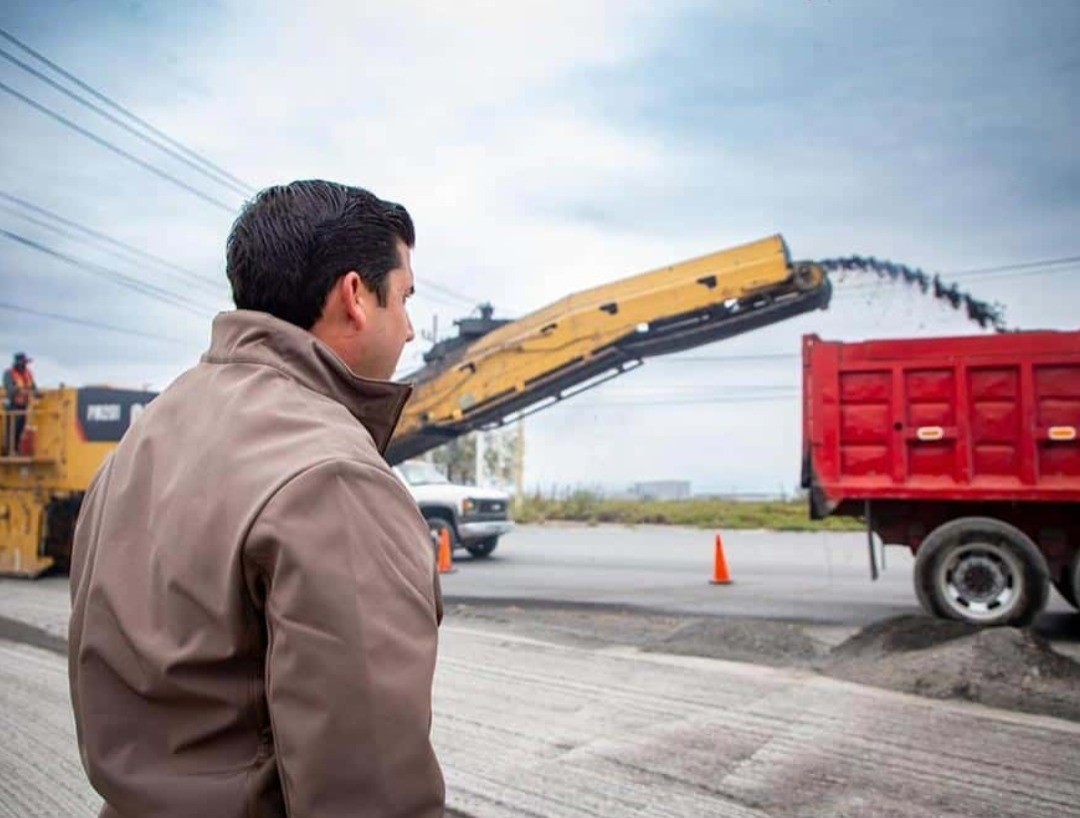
{"x": 350, "y": 289}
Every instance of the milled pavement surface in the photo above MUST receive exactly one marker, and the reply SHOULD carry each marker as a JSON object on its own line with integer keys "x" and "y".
{"x": 591, "y": 726}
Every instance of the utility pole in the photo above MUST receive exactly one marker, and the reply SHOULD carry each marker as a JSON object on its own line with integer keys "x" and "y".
{"x": 432, "y": 335}
{"x": 478, "y": 471}
{"x": 519, "y": 465}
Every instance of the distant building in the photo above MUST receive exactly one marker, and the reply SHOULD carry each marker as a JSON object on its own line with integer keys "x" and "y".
{"x": 661, "y": 490}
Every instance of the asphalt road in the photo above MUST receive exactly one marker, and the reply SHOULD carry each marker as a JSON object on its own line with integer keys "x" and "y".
{"x": 820, "y": 577}
{"x": 527, "y": 727}
{"x": 532, "y": 728}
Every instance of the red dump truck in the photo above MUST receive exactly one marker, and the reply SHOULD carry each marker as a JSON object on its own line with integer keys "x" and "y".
{"x": 965, "y": 450}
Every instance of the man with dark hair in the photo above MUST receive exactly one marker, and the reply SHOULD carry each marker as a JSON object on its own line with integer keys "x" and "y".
{"x": 254, "y": 597}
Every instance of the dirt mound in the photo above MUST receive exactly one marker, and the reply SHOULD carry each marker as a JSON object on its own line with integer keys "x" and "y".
{"x": 743, "y": 640}
{"x": 1003, "y": 667}
{"x": 901, "y": 634}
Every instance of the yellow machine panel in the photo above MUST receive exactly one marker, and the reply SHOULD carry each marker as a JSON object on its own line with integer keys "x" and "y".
{"x": 64, "y": 436}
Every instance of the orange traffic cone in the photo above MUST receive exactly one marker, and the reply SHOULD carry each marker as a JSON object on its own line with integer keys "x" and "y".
{"x": 721, "y": 576}
{"x": 446, "y": 558}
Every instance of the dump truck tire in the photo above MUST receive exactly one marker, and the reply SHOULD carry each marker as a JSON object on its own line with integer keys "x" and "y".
{"x": 1069, "y": 584}
{"x": 983, "y": 571}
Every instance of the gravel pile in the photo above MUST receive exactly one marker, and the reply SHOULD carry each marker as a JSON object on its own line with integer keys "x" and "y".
{"x": 779, "y": 644}
{"x": 1011, "y": 668}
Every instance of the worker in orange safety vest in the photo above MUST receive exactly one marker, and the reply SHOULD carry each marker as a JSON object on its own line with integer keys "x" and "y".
{"x": 19, "y": 387}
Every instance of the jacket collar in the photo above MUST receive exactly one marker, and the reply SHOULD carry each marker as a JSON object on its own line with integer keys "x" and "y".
{"x": 246, "y": 336}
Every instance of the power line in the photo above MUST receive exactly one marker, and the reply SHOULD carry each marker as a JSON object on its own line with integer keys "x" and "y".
{"x": 733, "y": 399}
{"x": 630, "y": 389}
{"x": 85, "y": 322}
{"x": 870, "y": 289}
{"x": 69, "y": 234}
{"x": 116, "y": 106}
{"x": 1023, "y": 273}
{"x": 117, "y": 150}
{"x": 149, "y": 290}
{"x": 1021, "y": 270}
{"x": 435, "y": 297}
{"x": 121, "y": 124}
{"x": 765, "y": 356}
{"x": 103, "y": 237}
{"x": 1051, "y": 262}
{"x": 440, "y": 288}
{"x": 197, "y": 161}
{"x": 97, "y": 234}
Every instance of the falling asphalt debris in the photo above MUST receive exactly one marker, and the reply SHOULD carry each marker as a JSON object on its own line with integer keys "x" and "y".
{"x": 981, "y": 312}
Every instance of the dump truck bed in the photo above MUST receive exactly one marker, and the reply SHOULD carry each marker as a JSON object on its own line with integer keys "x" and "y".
{"x": 969, "y": 419}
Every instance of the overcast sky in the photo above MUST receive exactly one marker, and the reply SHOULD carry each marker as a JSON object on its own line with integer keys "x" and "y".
{"x": 547, "y": 147}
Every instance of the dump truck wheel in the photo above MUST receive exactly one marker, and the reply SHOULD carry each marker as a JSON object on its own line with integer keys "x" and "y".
{"x": 1069, "y": 584}
{"x": 1074, "y": 579}
{"x": 1066, "y": 592}
{"x": 481, "y": 549}
{"x": 982, "y": 571}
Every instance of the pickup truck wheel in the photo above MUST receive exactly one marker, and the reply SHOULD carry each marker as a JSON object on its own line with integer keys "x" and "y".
{"x": 1069, "y": 585}
{"x": 982, "y": 571}
{"x": 437, "y": 526}
{"x": 481, "y": 549}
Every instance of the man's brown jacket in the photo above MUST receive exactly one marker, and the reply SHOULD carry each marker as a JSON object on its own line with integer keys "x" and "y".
{"x": 255, "y": 610}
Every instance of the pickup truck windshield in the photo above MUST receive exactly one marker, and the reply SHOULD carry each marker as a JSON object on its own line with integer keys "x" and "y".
{"x": 419, "y": 474}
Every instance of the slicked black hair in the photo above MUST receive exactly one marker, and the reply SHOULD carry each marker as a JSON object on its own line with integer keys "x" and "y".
{"x": 291, "y": 244}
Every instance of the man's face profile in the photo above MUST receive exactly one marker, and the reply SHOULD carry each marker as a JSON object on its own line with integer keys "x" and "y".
{"x": 389, "y": 327}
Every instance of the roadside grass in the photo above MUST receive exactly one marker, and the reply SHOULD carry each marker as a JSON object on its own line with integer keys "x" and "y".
{"x": 586, "y": 507}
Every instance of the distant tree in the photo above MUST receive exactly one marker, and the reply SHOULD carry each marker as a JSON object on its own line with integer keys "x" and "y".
{"x": 457, "y": 459}
{"x": 500, "y": 456}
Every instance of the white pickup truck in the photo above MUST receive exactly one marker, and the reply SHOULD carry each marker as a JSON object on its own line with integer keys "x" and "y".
{"x": 475, "y": 517}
